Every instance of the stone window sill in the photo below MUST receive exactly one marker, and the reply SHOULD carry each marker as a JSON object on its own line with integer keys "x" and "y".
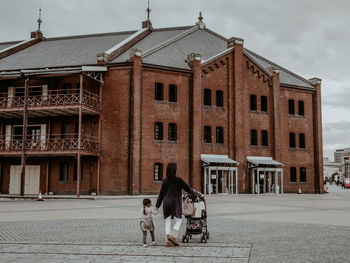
{"x": 164, "y": 102}
{"x": 164, "y": 142}
{"x": 258, "y": 112}
{"x": 259, "y": 147}
{"x": 212, "y": 107}
{"x": 296, "y": 116}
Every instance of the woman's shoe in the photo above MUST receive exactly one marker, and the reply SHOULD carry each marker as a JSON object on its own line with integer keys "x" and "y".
{"x": 172, "y": 237}
{"x": 168, "y": 242}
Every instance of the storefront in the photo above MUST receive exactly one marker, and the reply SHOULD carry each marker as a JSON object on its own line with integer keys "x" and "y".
{"x": 220, "y": 174}
{"x": 266, "y": 175}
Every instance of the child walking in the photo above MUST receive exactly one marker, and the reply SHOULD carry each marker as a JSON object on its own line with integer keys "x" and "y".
{"x": 146, "y": 222}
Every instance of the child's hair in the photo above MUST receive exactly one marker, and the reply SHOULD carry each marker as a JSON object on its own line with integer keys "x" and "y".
{"x": 145, "y": 202}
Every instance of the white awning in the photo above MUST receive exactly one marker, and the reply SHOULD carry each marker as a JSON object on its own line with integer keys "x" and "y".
{"x": 216, "y": 158}
{"x": 261, "y": 160}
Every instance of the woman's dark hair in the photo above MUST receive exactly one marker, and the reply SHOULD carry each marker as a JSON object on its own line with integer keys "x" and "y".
{"x": 171, "y": 171}
{"x": 145, "y": 202}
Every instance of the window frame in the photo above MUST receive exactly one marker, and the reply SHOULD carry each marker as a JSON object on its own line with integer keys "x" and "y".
{"x": 158, "y": 135}
{"x": 292, "y": 138}
{"x": 159, "y": 91}
{"x": 302, "y": 171}
{"x": 253, "y": 137}
{"x": 172, "y": 93}
{"x": 291, "y": 107}
{"x": 64, "y": 164}
{"x": 219, "y": 98}
{"x": 264, "y": 138}
{"x": 207, "y": 136}
{"x": 301, "y": 108}
{"x": 207, "y": 97}
{"x": 302, "y": 144}
{"x": 172, "y": 132}
{"x": 294, "y": 169}
{"x": 253, "y": 102}
{"x": 263, "y": 104}
{"x": 219, "y": 135}
{"x": 160, "y": 172}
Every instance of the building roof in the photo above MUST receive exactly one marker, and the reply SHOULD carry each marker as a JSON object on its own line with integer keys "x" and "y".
{"x": 286, "y": 77}
{"x": 216, "y": 158}
{"x": 163, "y": 46}
{"x": 262, "y": 160}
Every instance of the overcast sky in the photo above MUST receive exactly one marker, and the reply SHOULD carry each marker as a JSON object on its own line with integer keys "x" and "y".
{"x": 308, "y": 37}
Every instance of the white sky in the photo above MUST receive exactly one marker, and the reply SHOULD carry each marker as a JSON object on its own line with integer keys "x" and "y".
{"x": 308, "y": 37}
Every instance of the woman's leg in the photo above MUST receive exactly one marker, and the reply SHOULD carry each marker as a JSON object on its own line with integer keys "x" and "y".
{"x": 144, "y": 237}
{"x": 167, "y": 225}
{"x": 152, "y": 235}
{"x": 178, "y": 222}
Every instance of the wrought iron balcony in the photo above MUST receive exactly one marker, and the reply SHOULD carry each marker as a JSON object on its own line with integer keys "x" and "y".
{"x": 52, "y": 99}
{"x": 52, "y": 144}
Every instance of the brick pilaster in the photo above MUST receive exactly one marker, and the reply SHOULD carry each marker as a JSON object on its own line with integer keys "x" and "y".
{"x": 194, "y": 61}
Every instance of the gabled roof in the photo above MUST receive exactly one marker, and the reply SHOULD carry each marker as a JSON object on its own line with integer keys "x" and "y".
{"x": 286, "y": 77}
{"x": 4, "y": 45}
{"x": 63, "y": 51}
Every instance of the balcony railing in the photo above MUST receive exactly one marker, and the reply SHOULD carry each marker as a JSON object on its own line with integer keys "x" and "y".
{"x": 51, "y": 143}
{"x": 66, "y": 97}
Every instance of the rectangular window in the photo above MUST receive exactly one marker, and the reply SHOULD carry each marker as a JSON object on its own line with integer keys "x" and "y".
{"x": 253, "y": 102}
{"x": 301, "y": 108}
{"x": 207, "y": 97}
{"x": 219, "y": 98}
{"x": 293, "y": 174}
{"x": 64, "y": 167}
{"x": 159, "y": 91}
{"x": 158, "y": 172}
{"x": 292, "y": 140}
{"x": 264, "y": 138}
{"x": 67, "y": 88}
{"x": 302, "y": 140}
{"x": 65, "y": 130}
{"x": 207, "y": 134}
{"x": 172, "y": 132}
{"x": 263, "y": 103}
{"x": 291, "y": 107}
{"x": 158, "y": 131}
{"x": 172, "y": 93}
{"x": 219, "y": 135}
{"x": 253, "y": 137}
{"x": 302, "y": 174}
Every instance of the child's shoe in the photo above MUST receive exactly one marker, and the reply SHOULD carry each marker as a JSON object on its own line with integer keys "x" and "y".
{"x": 153, "y": 243}
{"x": 145, "y": 245}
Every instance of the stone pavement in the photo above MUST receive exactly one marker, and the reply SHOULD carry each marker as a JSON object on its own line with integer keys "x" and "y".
{"x": 244, "y": 228}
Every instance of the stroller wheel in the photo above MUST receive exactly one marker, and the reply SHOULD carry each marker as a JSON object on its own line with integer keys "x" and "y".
{"x": 204, "y": 239}
{"x": 184, "y": 239}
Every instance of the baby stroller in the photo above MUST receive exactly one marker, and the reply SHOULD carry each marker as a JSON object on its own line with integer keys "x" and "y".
{"x": 196, "y": 224}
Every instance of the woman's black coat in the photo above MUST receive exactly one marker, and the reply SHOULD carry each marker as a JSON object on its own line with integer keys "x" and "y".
{"x": 171, "y": 196}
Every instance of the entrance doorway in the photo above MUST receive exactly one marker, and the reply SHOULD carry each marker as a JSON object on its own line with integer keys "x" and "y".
{"x": 32, "y": 180}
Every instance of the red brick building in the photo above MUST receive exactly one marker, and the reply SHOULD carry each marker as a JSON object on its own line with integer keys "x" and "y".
{"x": 116, "y": 108}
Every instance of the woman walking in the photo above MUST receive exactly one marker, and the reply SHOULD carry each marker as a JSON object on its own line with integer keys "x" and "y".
{"x": 171, "y": 196}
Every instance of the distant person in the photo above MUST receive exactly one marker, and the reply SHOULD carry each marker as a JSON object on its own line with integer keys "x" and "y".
{"x": 146, "y": 223}
{"x": 171, "y": 196}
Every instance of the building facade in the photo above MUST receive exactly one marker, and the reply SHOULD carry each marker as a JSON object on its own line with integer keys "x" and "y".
{"x": 342, "y": 156}
{"x": 106, "y": 113}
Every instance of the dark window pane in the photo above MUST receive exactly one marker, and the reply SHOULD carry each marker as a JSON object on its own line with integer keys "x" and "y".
{"x": 301, "y": 108}
{"x": 264, "y": 103}
{"x": 207, "y": 97}
{"x": 219, "y": 98}
{"x": 293, "y": 174}
{"x": 64, "y": 171}
{"x": 158, "y": 172}
{"x": 264, "y": 138}
{"x": 292, "y": 140}
{"x": 219, "y": 135}
{"x": 172, "y": 132}
{"x": 65, "y": 130}
{"x": 291, "y": 108}
{"x": 253, "y": 137}
{"x": 158, "y": 131}
{"x": 292, "y": 143}
{"x": 253, "y": 102}
{"x": 172, "y": 93}
{"x": 301, "y": 140}
{"x": 207, "y": 134}
{"x": 302, "y": 174}
{"x": 159, "y": 91}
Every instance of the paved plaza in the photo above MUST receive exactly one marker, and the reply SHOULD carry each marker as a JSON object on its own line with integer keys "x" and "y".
{"x": 243, "y": 228}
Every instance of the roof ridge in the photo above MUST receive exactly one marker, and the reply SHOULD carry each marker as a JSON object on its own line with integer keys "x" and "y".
{"x": 172, "y": 28}
{"x": 280, "y": 67}
{"x": 215, "y": 34}
{"x": 90, "y": 35}
{"x": 11, "y": 42}
{"x": 169, "y": 41}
